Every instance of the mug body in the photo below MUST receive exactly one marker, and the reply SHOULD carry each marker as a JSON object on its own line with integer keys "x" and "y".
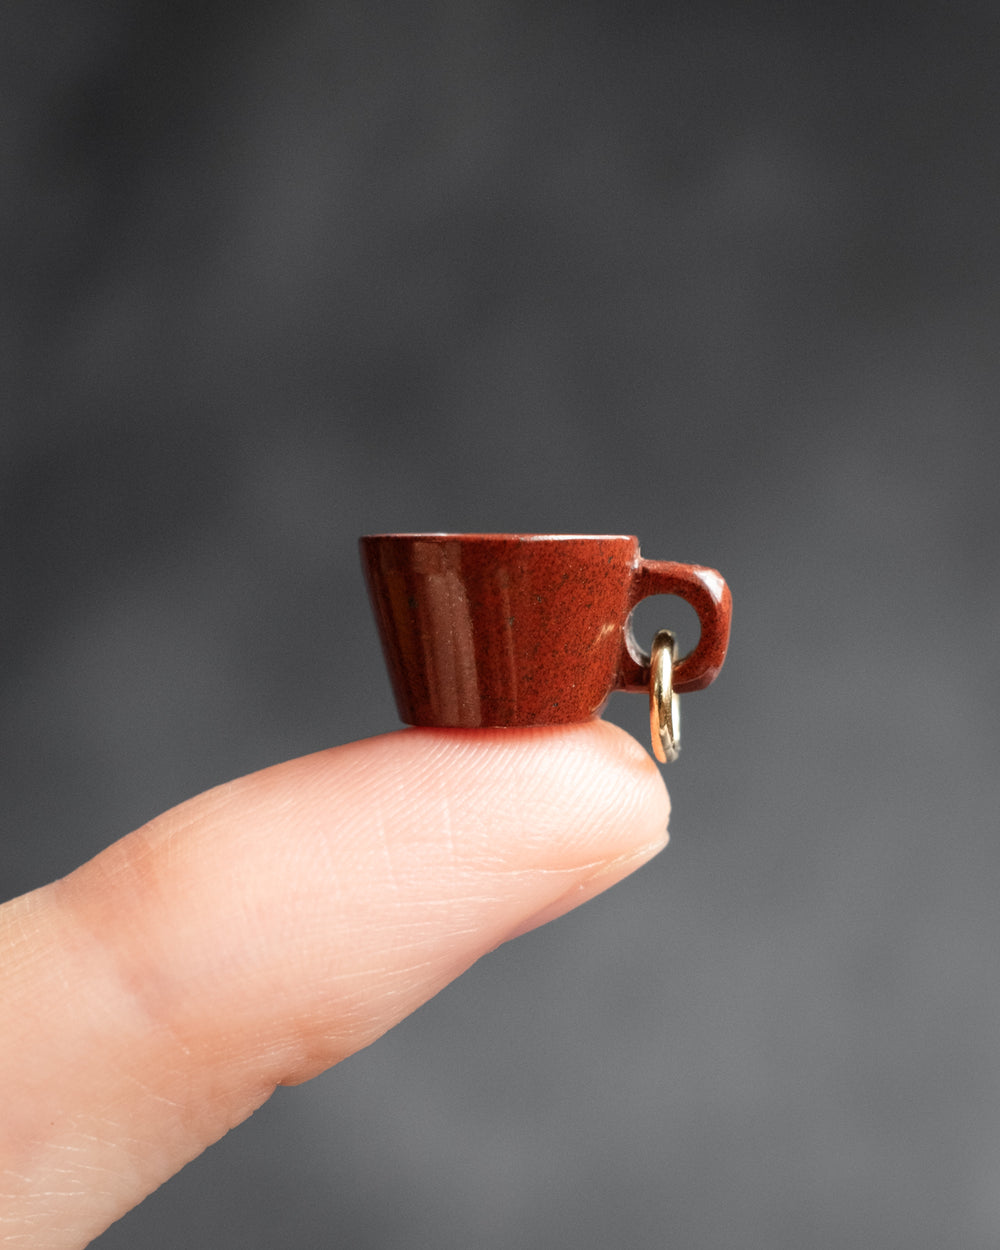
{"x": 501, "y": 629}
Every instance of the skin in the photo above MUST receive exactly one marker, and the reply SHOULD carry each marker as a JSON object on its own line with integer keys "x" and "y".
{"x": 262, "y": 931}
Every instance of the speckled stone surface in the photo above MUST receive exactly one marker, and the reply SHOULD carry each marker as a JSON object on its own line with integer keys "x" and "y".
{"x": 526, "y": 629}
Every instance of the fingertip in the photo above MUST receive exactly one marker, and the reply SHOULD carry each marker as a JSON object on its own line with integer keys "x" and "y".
{"x": 589, "y": 752}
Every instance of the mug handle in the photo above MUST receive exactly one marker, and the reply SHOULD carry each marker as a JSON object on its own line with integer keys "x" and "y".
{"x": 708, "y": 594}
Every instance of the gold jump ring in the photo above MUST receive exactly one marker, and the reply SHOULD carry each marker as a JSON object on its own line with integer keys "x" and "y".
{"x": 664, "y": 706}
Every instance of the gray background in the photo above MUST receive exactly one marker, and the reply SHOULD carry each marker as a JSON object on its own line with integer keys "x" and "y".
{"x": 721, "y": 275}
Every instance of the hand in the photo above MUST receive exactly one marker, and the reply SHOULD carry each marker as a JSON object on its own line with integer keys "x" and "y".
{"x": 262, "y": 931}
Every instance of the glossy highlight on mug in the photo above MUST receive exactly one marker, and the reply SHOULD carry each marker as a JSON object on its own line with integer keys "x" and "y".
{"x": 526, "y": 629}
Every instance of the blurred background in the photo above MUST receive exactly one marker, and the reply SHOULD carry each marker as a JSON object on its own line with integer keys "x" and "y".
{"x": 721, "y": 275}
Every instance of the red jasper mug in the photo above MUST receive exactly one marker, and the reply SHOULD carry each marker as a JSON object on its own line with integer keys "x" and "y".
{"x": 527, "y": 629}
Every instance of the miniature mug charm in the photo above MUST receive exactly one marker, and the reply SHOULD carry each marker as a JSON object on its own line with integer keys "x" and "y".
{"x": 484, "y": 630}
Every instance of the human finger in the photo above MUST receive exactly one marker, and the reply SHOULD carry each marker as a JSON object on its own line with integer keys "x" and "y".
{"x": 262, "y": 931}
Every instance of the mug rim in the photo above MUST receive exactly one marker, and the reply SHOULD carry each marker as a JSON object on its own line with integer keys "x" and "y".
{"x": 431, "y": 536}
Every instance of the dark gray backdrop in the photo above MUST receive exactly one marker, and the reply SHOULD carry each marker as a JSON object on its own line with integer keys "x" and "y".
{"x": 720, "y": 275}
